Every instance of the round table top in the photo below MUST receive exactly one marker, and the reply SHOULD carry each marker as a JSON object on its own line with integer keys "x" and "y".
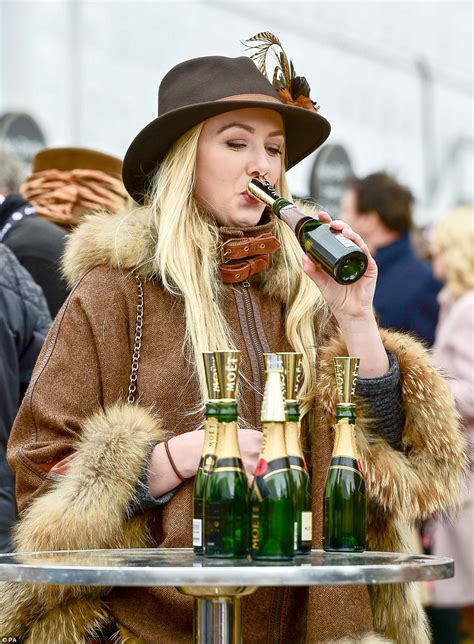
{"x": 180, "y": 567}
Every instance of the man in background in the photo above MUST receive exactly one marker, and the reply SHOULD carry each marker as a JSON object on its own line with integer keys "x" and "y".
{"x": 380, "y": 210}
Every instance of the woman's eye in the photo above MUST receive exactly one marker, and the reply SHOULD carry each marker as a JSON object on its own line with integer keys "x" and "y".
{"x": 235, "y": 145}
{"x": 274, "y": 151}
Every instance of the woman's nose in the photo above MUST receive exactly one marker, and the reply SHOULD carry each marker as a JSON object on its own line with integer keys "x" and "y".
{"x": 259, "y": 164}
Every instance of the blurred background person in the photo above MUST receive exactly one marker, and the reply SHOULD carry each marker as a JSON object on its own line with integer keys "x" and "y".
{"x": 452, "y": 250}
{"x": 37, "y": 244}
{"x": 66, "y": 183}
{"x": 24, "y": 323}
{"x": 380, "y": 210}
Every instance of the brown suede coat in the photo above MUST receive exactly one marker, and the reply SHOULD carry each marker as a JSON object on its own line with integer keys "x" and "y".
{"x": 76, "y": 403}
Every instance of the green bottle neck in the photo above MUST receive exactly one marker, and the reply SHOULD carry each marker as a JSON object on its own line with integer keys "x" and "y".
{"x": 212, "y": 409}
{"x": 280, "y": 203}
{"x": 227, "y": 411}
{"x": 227, "y": 440}
{"x": 346, "y": 411}
{"x": 292, "y": 411}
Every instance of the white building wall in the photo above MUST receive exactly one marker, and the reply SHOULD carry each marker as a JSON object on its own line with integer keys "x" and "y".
{"x": 89, "y": 73}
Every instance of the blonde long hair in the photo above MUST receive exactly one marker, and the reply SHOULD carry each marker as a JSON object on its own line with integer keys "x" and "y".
{"x": 453, "y": 234}
{"x": 187, "y": 258}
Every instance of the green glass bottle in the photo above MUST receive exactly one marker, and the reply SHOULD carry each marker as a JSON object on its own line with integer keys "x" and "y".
{"x": 299, "y": 472}
{"x": 344, "y": 495}
{"x": 272, "y": 501}
{"x": 206, "y": 465}
{"x": 226, "y": 500}
{"x": 343, "y": 260}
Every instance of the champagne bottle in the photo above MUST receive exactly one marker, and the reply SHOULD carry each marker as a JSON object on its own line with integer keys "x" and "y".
{"x": 338, "y": 256}
{"x": 344, "y": 494}
{"x": 206, "y": 465}
{"x": 299, "y": 472}
{"x": 226, "y": 502}
{"x": 272, "y": 502}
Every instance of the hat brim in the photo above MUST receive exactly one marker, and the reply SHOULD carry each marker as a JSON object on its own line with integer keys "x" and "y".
{"x": 305, "y": 131}
{"x": 66, "y": 158}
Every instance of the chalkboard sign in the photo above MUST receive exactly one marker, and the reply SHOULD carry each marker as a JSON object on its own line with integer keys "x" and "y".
{"x": 332, "y": 169}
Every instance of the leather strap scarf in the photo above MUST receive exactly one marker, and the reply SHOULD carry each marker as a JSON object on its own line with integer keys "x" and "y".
{"x": 246, "y": 256}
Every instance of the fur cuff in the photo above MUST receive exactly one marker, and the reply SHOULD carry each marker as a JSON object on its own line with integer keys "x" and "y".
{"x": 86, "y": 508}
{"x": 426, "y": 477}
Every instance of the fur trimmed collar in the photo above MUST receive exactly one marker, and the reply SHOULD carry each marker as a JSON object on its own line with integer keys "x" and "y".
{"x": 127, "y": 241}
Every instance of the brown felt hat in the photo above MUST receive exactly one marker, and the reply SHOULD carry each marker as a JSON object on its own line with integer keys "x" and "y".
{"x": 76, "y": 159}
{"x": 201, "y": 88}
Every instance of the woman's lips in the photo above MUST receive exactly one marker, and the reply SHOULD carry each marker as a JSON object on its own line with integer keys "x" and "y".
{"x": 250, "y": 199}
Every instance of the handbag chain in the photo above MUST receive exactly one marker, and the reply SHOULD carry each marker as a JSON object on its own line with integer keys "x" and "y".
{"x": 132, "y": 387}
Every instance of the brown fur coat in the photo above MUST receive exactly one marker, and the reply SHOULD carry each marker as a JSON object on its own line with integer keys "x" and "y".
{"x": 64, "y": 411}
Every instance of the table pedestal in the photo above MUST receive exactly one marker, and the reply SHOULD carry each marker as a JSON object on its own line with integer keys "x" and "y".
{"x": 217, "y": 613}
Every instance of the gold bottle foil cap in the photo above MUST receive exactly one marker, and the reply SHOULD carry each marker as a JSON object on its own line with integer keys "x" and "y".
{"x": 273, "y": 405}
{"x": 227, "y": 367}
{"x": 263, "y": 190}
{"x": 273, "y": 362}
{"x": 293, "y": 371}
{"x": 212, "y": 381}
{"x": 346, "y": 374}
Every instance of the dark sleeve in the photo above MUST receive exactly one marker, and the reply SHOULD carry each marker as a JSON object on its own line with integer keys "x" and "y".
{"x": 46, "y": 274}
{"x": 38, "y": 246}
{"x": 142, "y": 499}
{"x": 36, "y": 320}
{"x": 383, "y": 396}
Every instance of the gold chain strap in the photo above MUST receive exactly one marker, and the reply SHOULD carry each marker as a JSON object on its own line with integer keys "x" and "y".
{"x": 132, "y": 387}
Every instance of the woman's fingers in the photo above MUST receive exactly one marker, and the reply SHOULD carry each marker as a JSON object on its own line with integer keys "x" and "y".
{"x": 250, "y": 442}
{"x": 324, "y": 216}
{"x": 353, "y": 236}
{"x": 347, "y": 231}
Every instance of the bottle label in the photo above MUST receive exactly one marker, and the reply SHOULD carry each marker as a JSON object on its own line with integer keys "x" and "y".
{"x": 231, "y": 464}
{"x": 348, "y": 243}
{"x": 211, "y": 427}
{"x": 214, "y": 515}
{"x": 306, "y": 527}
{"x": 346, "y": 463}
{"x": 265, "y": 471}
{"x": 208, "y": 462}
{"x": 297, "y": 463}
{"x": 197, "y": 532}
{"x": 255, "y": 527}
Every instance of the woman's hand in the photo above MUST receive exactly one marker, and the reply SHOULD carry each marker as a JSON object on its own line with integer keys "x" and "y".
{"x": 352, "y": 306}
{"x": 354, "y": 300}
{"x": 250, "y": 442}
{"x": 186, "y": 451}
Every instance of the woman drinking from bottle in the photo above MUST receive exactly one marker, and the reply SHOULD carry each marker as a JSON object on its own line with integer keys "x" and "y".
{"x": 105, "y": 446}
